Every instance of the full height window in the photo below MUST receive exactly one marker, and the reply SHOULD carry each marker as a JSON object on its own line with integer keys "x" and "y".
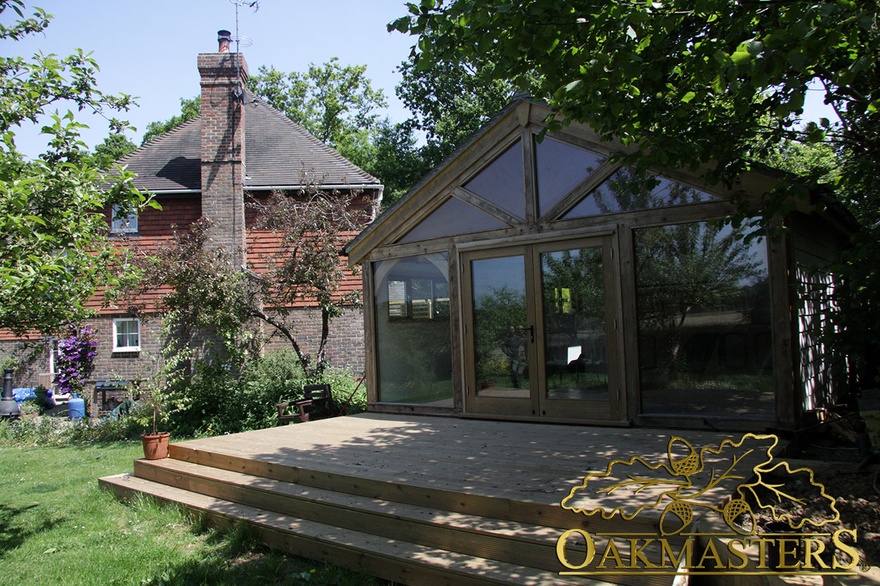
{"x": 126, "y": 334}
{"x": 703, "y": 301}
{"x": 412, "y": 322}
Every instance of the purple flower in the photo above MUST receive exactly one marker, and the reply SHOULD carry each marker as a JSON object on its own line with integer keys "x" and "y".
{"x": 76, "y": 359}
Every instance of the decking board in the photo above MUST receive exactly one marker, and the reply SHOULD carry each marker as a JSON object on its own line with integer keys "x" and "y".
{"x": 529, "y": 462}
{"x": 492, "y": 538}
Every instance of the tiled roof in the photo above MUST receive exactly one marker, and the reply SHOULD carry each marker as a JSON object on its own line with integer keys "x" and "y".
{"x": 169, "y": 162}
{"x": 279, "y": 153}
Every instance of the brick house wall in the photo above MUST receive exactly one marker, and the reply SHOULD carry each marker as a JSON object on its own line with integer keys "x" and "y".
{"x": 110, "y": 365}
{"x": 345, "y": 344}
{"x": 199, "y": 170}
{"x": 31, "y": 360}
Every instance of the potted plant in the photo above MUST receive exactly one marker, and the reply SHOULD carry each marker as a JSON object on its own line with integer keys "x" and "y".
{"x": 155, "y": 442}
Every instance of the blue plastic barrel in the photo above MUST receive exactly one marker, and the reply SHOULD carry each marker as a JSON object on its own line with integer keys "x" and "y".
{"x": 76, "y": 407}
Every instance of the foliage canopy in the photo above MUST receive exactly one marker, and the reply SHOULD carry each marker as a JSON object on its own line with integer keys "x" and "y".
{"x": 335, "y": 103}
{"x": 675, "y": 74}
{"x": 55, "y": 248}
{"x": 189, "y": 109}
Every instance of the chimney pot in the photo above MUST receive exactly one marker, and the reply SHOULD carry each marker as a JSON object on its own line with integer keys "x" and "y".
{"x": 223, "y": 38}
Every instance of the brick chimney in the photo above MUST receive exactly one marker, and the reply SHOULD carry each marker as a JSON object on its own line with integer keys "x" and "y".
{"x": 223, "y": 79}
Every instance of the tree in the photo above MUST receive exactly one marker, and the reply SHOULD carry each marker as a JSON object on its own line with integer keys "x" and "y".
{"x": 399, "y": 162}
{"x": 815, "y": 160}
{"x": 55, "y": 248}
{"x": 311, "y": 227}
{"x": 111, "y": 149}
{"x": 189, "y": 109}
{"x": 336, "y": 103}
{"x": 673, "y": 77}
{"x": 450, "y": 101}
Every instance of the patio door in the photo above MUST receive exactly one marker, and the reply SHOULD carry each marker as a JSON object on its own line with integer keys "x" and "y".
{"x": 540, "y": 331}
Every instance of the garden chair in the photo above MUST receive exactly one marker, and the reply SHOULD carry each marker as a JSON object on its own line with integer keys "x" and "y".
{"x": 317, "y": 403}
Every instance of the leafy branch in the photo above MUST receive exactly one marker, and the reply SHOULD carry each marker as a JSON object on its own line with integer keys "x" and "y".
{"x": 644, "y": 484}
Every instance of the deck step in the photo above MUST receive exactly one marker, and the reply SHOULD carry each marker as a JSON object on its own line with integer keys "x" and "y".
{"x": 344, "y": 479}
{"x": 497, "y": 539}
{"x": 374, "y": 493}
{"x": 392, "y": 559}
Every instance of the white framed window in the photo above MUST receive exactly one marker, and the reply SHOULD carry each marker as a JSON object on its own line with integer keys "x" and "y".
{"x": 126, "y": 334}
{"x": 123, "y": 224}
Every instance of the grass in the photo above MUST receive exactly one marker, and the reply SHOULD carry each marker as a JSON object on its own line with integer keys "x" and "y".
{"x": 58, "y": 527}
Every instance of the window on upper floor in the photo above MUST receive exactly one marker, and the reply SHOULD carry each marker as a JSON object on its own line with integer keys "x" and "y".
{"x": 123, "y": 224}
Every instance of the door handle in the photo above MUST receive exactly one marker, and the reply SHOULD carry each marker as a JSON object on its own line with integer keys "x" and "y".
{"x": 531, "y": 330}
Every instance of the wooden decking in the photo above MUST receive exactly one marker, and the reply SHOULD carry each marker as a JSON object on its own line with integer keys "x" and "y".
{"x": 412, "y": 499}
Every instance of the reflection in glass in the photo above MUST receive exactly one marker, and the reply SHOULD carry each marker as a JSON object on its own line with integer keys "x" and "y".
{"x": 412, "y": 330}
{"x": 573, "y": 291}
{"x": 561, "y": 167}
{"x": 452, "y": 218}
{"x": 704, "y": 322}
{"x": 627, "y": 191}
{"x": 501, "y": 334}
{"x": 502, "y": 182}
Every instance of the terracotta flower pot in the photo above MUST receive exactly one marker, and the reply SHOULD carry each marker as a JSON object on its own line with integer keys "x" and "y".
{"x": 155, "y": 445}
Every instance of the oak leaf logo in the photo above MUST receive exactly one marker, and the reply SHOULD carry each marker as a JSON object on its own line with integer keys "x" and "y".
{"x": 704, "y": 478}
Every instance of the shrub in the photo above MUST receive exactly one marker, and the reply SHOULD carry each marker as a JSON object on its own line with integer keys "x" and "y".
{"x": 213, "y": 400}
{"x": 41, "y": 431}
{"x": 103, "y": 431}
{"x": 343, "y": 386}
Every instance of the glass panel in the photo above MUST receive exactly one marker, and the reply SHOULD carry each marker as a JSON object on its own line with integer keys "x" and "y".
{"x": 500, "y": 327}
{"x": 560, "y": 168}
{"x": 703, "y": 301}
{"x": 823, "y": 368}
{"x": 397, "y": 306}
{"x": 626, "y": 191}
{"x": 502, "y": 182}
{"x": 123, "y": 224}
{"x": 412, "y": 330}
{"x": 452, "y": 218}
{"x": 573, "y": 293}
{"x": 127, "y": 333}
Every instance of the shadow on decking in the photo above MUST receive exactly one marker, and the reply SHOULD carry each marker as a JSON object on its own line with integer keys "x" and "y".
{"x": 525, "y": 462}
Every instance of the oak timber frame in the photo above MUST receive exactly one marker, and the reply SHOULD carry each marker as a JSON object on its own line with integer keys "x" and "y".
{"x": 548, "y": 230}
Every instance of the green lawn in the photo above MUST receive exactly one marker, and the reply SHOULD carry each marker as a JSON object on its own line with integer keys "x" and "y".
{"x": 58, "y": 527}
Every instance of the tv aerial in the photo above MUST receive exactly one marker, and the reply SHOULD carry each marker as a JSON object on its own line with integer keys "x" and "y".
{"x": 240, "y": 40}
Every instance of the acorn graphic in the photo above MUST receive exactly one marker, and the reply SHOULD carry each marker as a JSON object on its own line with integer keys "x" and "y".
{"x": 692, "y": 463}
{"x": 675, "y": 517}
{"x": 736, "y": 509}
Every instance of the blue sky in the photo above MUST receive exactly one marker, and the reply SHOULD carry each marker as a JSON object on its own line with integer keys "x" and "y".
{"x": 148, "y": 48}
